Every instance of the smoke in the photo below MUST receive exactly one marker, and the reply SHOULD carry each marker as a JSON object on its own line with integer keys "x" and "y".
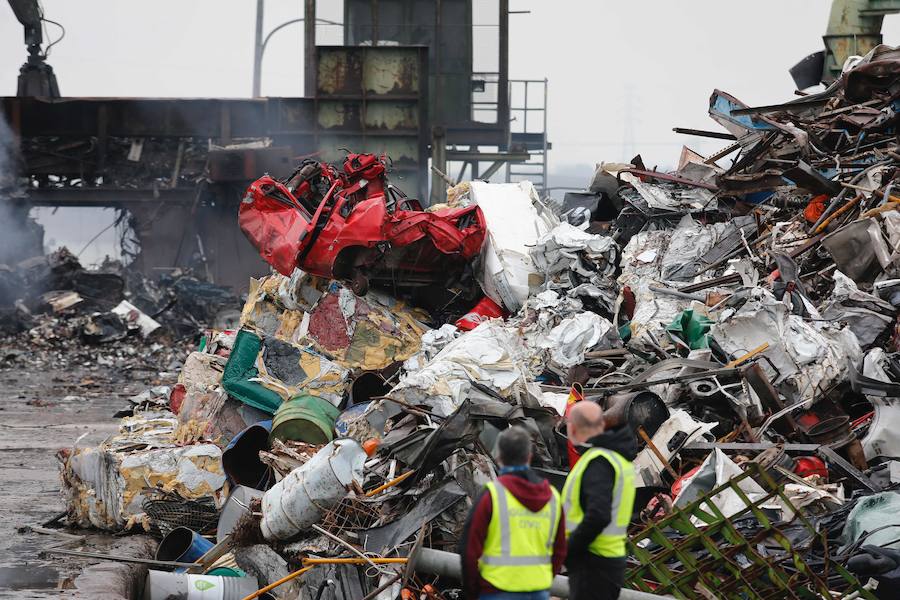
{"x": 20, "y": 236}
{"x": 8, "y": 180}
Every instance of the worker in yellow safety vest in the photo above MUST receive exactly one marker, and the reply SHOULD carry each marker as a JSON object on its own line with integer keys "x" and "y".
{"x": 598, "y": 498}
{"x": 514, "y": 540}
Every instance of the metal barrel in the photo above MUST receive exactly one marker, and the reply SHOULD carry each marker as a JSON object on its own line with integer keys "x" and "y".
{"x": 638, "y": 409}
{"x": 305, "y": 419}
{"x": 837, "y": 433}
{"x": 297, "y": 501}
{"x": 240, "y": 460}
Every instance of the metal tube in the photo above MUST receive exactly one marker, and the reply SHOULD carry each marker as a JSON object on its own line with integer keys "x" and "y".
{"x": 677, "y": 293}
{"x": 525, "y": 110}
{"x": 116, "y": 558}
{"x": 354, "y": 561}
{"x": 447, "y": 564}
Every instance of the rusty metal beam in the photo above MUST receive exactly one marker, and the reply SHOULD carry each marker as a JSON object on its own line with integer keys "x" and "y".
{"x": 112, "y": 197}
{"x": 719, "y": 135}
{"x": 469, "y": 155}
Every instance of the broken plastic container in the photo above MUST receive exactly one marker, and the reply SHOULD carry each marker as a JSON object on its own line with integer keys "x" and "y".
{"x": 877, "y": 519}
{"x": 299, "y": 500}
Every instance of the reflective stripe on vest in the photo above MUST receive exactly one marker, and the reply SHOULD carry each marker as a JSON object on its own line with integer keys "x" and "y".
{"x": 519, "y": 559}
{"x": 611, "y": 541}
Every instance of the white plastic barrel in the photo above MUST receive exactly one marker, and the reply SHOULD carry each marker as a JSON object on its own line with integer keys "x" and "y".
{"x": 161, "y": 585}
{"x": 298, "y": 500}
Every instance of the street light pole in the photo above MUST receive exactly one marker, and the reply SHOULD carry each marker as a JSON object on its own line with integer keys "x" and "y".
{"x": 309, "y": 45}
{"x": 309, "y": 48}
{"x": 258, "y": 49}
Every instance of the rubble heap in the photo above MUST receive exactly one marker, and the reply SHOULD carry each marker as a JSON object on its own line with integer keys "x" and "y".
{"x": 741, "y": 321}
{"x": 54, "y": 296}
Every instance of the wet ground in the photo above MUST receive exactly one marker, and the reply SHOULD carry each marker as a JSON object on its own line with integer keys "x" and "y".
{"x": 48, "y": 400}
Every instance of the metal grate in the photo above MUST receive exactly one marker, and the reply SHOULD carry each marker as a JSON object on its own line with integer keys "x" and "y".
{"x": 745, "y": 556}
{"x": 168, "y": 511}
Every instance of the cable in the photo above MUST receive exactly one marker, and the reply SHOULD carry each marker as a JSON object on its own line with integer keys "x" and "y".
{"x": 57, "y": 40}
{"x": 94, "y": 239}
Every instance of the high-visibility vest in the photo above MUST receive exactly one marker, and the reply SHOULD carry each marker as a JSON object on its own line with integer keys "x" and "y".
{"x": 611, "y": 541}
{"x": 518, "y": 549}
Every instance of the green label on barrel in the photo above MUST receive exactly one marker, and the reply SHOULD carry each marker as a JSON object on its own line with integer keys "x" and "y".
{"x": 203, "y": 585}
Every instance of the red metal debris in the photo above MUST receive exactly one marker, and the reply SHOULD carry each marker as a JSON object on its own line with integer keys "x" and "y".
{"x": 354, "y": 225}
{"x": 485, "y": 309}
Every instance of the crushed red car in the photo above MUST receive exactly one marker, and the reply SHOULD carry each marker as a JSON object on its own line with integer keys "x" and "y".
{"x": 352, "y": 224}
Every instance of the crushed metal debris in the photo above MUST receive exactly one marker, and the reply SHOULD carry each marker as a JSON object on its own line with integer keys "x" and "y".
{"x": 738, "y": 323}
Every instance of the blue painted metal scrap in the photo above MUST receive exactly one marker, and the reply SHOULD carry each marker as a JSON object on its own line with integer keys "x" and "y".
{"x": 721, "y": 109}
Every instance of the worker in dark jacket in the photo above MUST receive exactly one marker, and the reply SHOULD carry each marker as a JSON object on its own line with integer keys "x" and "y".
{"x": 598, "y": 497}
{"x": 514, "y": 540}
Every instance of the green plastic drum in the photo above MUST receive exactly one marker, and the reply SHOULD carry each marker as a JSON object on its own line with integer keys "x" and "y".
{"x": 305, "y": 419}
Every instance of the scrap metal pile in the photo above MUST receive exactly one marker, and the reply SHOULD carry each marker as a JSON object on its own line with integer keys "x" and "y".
{"x": 742, "y": 321}
{"x": 53, "y": 298}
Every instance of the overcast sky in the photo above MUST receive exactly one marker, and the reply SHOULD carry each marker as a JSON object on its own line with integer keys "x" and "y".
{"x": 613, "y": 66}
{"x": 665, "y": 56}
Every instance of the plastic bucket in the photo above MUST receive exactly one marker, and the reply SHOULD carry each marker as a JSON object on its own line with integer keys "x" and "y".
{"x": 161, "y": 585}
{"x": 183, "y": 545}
{"x": 305, "y": 419}
{"x": 240, "y": 460}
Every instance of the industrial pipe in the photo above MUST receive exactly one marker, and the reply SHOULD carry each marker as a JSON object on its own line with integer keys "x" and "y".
{"x": 447, "y": 564}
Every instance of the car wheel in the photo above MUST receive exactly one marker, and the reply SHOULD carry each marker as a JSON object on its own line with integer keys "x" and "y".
{"x": 360, "y": 283}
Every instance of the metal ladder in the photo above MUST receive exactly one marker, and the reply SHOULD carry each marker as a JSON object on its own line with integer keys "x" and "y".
{"x": 528, "y": 129}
